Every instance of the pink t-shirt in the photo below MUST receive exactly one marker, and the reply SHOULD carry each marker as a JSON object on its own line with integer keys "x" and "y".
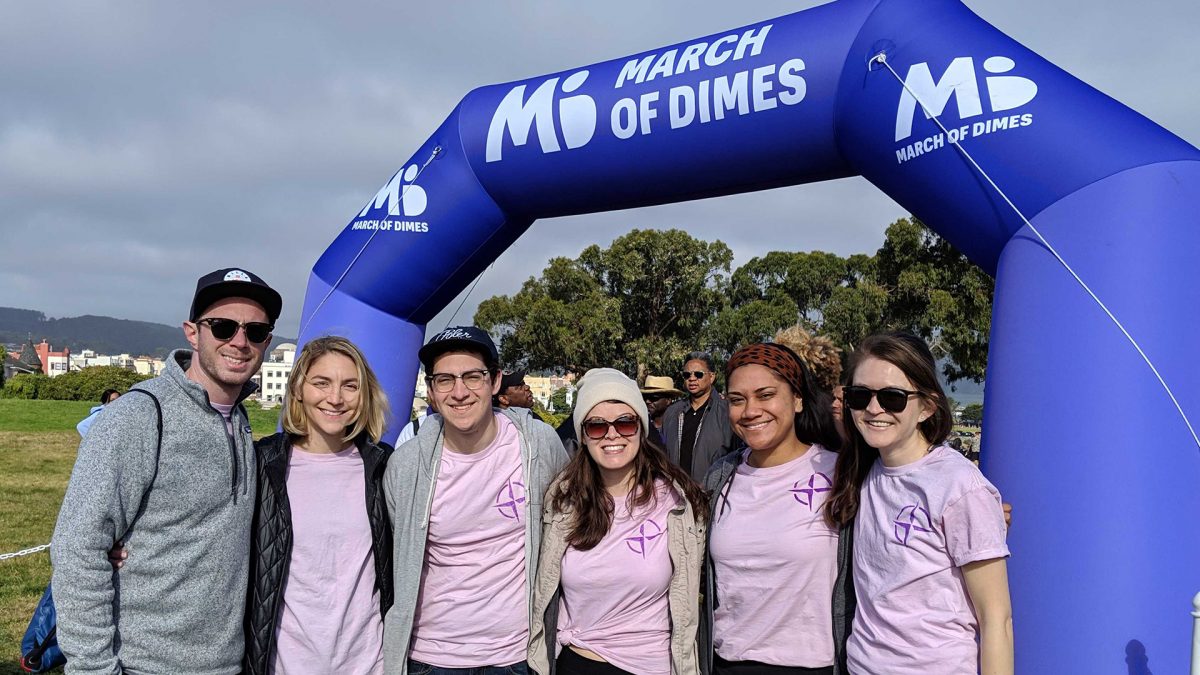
{"x": 330, "y": 620}
{"x": 776, "y": 562}
{"x": 473, "y": 608}
{"x": 917, "y": 525}
{"x": 614, "y": 596}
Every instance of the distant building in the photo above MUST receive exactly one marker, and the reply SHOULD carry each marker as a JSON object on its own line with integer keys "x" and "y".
{"x": 544, "y": 387}
{"x": 53, "y": 363}
{"x": 272, "y": 377}
{"x": 22, "y": 361}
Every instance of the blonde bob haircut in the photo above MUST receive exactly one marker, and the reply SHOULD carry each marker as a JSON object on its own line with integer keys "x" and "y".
{"x": 373, "y": 411}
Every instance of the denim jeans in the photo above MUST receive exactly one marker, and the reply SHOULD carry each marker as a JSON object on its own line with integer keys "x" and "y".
{"x": 418, "y": 668}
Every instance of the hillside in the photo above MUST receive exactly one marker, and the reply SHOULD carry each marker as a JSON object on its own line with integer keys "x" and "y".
{"x": 103, "y": 334}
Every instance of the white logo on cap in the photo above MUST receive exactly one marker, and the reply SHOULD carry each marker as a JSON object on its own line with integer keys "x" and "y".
{"x": 236, "y": 275}
{"x": 455, "y": 334}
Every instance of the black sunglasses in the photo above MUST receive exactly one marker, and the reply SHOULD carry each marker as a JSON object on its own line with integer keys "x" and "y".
{"x": 690, "y": 374}
{"x": 597, "y": 428}
{"x": 891, "y": 399}
{"x": 224, "y": 329}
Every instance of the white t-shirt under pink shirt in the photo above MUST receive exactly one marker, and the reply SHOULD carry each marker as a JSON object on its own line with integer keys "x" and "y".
{"x": 776, "y": 563}
{"x": 473, "y": 607}
{"x": 917, "y": 525}
{"x": 615, "y": 595}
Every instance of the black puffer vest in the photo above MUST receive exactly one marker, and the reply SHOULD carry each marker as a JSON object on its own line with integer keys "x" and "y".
{"x": 271, "y": 542}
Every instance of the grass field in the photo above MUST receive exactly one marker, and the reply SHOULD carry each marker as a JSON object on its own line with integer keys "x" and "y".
{"x": 37, "y": 450}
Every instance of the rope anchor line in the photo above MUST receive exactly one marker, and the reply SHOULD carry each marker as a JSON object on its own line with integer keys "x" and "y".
{"x": 881, "y": 59}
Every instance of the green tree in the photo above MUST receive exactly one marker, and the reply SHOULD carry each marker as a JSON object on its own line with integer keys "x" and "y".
{"x": 639, "y": 304}
{"x": 935, "y": 292}
{"x": 88, "y": 383}
{"x": 972, "y": 415}
{"x": 753, "y": 321}
{"x": 3, "y": 360}
{"x": 808, "y": 279}
{"x": 26, "y": 385}
{"x": 558, "y": 400}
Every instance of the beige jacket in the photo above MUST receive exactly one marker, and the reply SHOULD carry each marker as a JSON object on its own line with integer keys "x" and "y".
{"x": 685, "y": 544}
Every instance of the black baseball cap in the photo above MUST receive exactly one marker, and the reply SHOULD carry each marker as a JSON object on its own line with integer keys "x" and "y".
{"x": 460, "y": 338}
{"x": 233, "y": 282}
{"x": 513, "y": 379}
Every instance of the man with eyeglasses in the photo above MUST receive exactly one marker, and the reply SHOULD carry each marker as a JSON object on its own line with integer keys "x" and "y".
{"x": 465, "y": 500}
{"x": 696, "y": 429}
{"x": 168, "y": 469}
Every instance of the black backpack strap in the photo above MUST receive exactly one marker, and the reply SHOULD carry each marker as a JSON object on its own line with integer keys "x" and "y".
{"x": 416, "y": 425}
{"x": 157, "y": 454}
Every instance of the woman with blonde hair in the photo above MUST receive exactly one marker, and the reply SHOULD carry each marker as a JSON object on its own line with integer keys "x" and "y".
{"x": 320, "y": 566}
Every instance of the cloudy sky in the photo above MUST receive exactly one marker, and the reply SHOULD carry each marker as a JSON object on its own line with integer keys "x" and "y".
{"x": 145, "y": 143}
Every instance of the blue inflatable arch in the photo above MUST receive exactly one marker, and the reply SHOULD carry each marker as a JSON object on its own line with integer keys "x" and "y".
{"x": 986, "y": 142}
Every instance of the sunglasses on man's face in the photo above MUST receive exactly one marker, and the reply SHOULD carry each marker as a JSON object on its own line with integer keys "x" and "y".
{"x": 891, "y": 399}
{"x": 597, "y": 428}
{"x": 692, "y": 374}
{"x": 224, "y": 329}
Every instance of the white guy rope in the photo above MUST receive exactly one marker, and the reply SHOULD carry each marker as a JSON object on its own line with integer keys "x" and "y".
{"x": 881, "y": 58}
{"x": 432, "y": 156}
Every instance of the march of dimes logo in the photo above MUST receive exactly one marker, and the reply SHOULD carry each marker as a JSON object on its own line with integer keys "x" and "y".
{"x": 576, "y": 117}
{"x": 960, "y": 81}
{"x": 401, "y": 196}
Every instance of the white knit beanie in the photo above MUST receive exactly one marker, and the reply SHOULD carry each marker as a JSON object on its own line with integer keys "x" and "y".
{"x": 607, "y": 384}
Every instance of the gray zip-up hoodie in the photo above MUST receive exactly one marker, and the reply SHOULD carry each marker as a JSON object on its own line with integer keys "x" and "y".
{"x": 177, "y": 604}
{"x": 409, "y": 483}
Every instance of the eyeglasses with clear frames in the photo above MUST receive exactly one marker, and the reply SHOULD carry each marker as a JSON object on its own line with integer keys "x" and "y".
{"x": 444, "y": 382}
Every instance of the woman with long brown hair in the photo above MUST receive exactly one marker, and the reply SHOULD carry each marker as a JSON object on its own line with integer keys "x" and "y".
{"x": 778, "y": 599}
{"x": 618, "y": 581}
{"x": 929, "y": 532}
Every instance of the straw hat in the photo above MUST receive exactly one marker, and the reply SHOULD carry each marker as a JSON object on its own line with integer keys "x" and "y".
{"x": 660, "y": 384}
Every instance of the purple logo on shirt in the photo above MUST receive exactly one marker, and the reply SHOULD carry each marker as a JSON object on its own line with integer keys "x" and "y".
{"x": 647, "y": 532}
{"x": 805, "y": 492}
{"x": 912, "y": 518}
{"x": 510, "y": 499}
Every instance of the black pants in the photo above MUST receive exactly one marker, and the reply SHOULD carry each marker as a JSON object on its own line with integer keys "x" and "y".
{"x": 723, "y": 667}
{"x": 570, "y": 663}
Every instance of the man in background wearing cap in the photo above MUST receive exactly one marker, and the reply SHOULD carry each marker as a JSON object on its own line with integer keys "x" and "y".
{"x": 514, "y": 393}
{"x": 171, "y": 474}
{"x": 465, "y": 500}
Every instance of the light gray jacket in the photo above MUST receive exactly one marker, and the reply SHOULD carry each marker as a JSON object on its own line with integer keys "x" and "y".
{"x": 409, "y": 483}
{"x": 685, "y": 544}
{"x": 177, "y": 604}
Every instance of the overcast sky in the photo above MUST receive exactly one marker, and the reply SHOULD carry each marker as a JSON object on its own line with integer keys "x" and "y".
{"x": 143, "y": 144}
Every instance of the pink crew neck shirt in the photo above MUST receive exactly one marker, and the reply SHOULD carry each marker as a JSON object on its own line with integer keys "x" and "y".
{"x": 776, "y": 563}
{"x": 917, "y": 525}
{"x": 615, "y": 595}
{"x": 473, "y": 607}
{"x": 330, "y": 621}
{"x": 226, "y": 411}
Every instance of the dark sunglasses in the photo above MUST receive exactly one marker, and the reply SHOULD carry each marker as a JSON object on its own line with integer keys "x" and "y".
{"x": 891, "y": 399}
{"x": 692, "y": 374}
{"x": 225, "y": 329}
{"x": 597, "y": 428}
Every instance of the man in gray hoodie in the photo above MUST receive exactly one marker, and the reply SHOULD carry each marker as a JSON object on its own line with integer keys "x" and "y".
{"x": 465, "y": 499}
{"x": 182, "y": 503}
